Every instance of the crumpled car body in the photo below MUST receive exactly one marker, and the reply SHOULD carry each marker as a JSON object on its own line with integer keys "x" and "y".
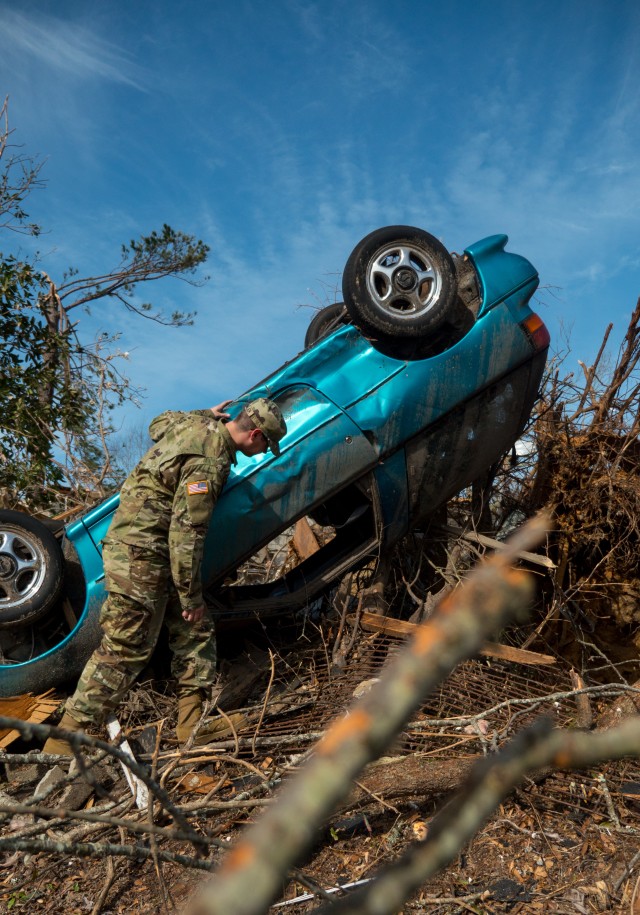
{"x": 376, "y": 442}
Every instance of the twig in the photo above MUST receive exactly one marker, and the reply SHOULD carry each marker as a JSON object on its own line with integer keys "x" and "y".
{"x": 492, "y": 595}
{"x": 346, "y": 586}
{"x": 489, "y": 784}
{"x": 104, "y": 892}
{"x": 450, "y": 900}
{"x": 93, "y": 850}
{"x": 590, "y": 374}
{"x": 529, "y": 705}
{"x": 244, "y": 743}
{"x": 56, "y": 816}
{"x": 236, "y": 739}
{"x": 608, "y": 665}
{"x": 310, "y": 884}
{"x": 356, "y": 626}
{"x": 376, "y": 797}
{"x": 244, "y": 799}
{"x": 611, "y": 810}
{"x": 264, "y": 704}
{"x": 634, "y": 896}
{"x": 157, "y": 865}
{"x": 627, "y": 872}
{"x": 79, "y": 739}
{"x": 531, "y": 833}
{"x": 176, "y": 758}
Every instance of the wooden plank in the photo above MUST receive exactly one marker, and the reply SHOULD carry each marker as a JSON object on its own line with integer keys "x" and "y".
{"x": 27, "y": 707}
{"x": 69, "y": 513}
{"x": 492, "y": 544}
{"x": 304, "y": 540}
{"x": 399, "y": 629}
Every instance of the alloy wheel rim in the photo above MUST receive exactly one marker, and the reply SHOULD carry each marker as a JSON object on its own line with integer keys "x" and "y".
{"x": 22, "y": 567}
{"x": 403, "y": 281}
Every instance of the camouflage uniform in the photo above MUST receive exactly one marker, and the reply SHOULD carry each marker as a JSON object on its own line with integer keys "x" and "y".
{"x": 152, "y": 556}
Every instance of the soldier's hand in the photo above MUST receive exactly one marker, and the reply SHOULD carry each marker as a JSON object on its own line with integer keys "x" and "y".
{"x": 218, "y": 410}
{"x": 193, "y": 616}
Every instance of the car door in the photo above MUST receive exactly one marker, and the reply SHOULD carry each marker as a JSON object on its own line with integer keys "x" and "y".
{"x": 322, "y": 451}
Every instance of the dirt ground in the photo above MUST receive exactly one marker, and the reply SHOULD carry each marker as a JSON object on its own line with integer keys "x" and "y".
{"x": 565, "y": 843}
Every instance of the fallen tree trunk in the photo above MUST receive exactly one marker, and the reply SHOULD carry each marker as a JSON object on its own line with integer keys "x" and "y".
{"x": 418, "y": 777}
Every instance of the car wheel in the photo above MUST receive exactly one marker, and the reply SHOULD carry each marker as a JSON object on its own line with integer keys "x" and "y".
{"x": 324, "y": 322}
{"x": 400, "y": 282}
{"x": 31, "y": 569}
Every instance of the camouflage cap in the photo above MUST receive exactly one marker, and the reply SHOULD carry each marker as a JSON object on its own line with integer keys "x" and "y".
{"x": 267, "y": 417}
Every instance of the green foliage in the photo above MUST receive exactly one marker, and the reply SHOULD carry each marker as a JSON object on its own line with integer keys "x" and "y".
{"x": 25, "y": 444}
{"x": 167, "y": 251}
{"x": 151, "y": 257}
{"x": 58, "y": 390}
{"x": 46, "y": 382}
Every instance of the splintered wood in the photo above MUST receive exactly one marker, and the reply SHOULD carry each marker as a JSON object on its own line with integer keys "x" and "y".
{"x": 35, "y": 709}
{"x": 398, "y": 629}
{"x": 305, "y": 542}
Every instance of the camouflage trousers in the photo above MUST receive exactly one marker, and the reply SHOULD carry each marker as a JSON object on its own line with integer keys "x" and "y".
{"x": 141, "y": 598}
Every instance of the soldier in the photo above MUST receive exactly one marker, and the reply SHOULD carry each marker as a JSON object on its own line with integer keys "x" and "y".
{"x": 152, "y": 556}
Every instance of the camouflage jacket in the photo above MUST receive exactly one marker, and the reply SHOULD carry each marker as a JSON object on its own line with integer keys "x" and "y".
{"x": 167, "y": 500}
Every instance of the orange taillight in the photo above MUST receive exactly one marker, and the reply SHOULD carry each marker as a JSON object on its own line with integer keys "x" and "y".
{"x": 537, "y": 331}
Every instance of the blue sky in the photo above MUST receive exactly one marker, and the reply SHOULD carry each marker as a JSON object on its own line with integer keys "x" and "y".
{"x": 281, "y": 133}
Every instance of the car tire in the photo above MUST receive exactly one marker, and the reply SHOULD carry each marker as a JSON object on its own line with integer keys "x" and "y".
{"x": 399, "y": 281}
{"x": 324, "y": 322}
{"x": 31, "y": 569}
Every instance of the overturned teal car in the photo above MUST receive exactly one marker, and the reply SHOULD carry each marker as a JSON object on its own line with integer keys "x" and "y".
{"x": 404, "y": 394}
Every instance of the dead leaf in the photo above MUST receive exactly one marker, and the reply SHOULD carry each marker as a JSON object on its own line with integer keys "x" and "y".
{"x": 197, "y": 783}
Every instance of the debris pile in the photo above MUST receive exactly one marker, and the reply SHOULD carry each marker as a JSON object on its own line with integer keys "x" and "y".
{"x": 86, "y": 838}
{"x": 587, "y": 473}
{"x": 82, "y": 841}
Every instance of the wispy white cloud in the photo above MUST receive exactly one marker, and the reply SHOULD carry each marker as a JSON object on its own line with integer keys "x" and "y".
{"x": 67, "y": 46}
{"x": 339, "y": 120}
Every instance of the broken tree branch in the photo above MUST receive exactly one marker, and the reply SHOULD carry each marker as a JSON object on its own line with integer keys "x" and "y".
{"x": 94, "y": 850}
{"x": 251, "y": 875}
{"x": 78, "y": 739}
{"x": 538, "y": 747}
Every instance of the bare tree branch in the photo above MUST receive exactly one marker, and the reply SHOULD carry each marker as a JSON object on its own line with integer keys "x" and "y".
{"x": 538, "y": 747}
{"x": 492, "y": 595}
{"x": 78, "y": 740}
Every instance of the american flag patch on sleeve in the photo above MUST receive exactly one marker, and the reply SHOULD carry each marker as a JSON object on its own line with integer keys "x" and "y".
{"x": 198, "y": 488}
